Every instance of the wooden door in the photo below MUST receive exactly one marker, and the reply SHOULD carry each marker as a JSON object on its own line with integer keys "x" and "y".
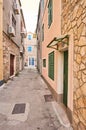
{"x": 11, "y": 64}
{"x": 65, "y": 89}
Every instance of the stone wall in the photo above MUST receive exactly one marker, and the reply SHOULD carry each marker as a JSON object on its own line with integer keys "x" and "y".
{"x": 9, "y": 47}
{"x": 74, "y": 20}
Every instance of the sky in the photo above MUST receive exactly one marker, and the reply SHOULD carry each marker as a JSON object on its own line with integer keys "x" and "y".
{"x": 30, "y": 10}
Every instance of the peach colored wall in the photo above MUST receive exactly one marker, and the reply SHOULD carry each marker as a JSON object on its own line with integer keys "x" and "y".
{"x": 49, "y": 34}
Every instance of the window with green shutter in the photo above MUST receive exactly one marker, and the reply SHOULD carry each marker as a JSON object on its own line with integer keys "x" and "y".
{"x": 43, "y": 32}
{"x": 50, "y": 12}
{"x": 44, "y": 62}
{"x": 51, "y": 65}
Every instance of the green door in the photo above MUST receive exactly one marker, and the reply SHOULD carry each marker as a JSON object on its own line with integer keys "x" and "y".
{"x": 65, "y": 89}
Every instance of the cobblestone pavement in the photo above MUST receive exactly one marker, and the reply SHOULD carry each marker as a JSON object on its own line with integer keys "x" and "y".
{"x": 29, "y": 89}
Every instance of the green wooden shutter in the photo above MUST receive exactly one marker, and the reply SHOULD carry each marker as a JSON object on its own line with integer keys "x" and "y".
{"x": 51, "y": 66}
{"x": 65, "y": 90}
{"x": 51, "y": 9}
{"x": 50, "y": 12}
{"x": 49, "y": 15}
{"x": 44, "y": 62}
{"x": 43, "y": 32}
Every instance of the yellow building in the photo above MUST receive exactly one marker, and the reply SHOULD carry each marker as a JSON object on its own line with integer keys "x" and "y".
{"x": 1, "y": 46}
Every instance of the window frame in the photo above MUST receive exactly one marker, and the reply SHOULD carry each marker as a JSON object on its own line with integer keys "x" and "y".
{"x": 31, "y": 61}
{"x": 14, "y": 22}
{"x": 50, "y": 13}
{"x": 29, "y": 37}
{"x": 29, "y": 48}
{"x": 43, "y": 32}
{"x": 51, "y": 65}
{"x": 44, "y": 62}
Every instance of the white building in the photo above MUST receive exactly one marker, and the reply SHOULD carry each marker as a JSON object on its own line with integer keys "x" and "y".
{"x": 30, "y": 51}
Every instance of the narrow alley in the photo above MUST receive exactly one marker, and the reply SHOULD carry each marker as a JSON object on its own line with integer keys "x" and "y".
{"x": 27, "y": 89}
{"x": 42, "y": 64}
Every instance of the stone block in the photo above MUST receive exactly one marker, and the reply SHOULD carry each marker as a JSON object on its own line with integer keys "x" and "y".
{"x": 82, "y": 66}
{"x": 84, "y": 19}
{"x": 76, "y": 83}
{"x": 82, "y": 41}
{"x": 76, "y": 67}
{"x": 79, "y": 21}
{"x": 75, "y": 118}
{"x": 75, "y": 11}
{"x": 84, "y": 77}
{"x": 76, "y": 49}
{"x": 80, "y": 102}
{"x": 84, "y": 61}
{"x": 76, "y": 42}
{"x": 79, "y": 11}
{"x": 79, "y": 75}
{"x": 83, "y": 51}
{"x": 80, "y": 30}
{"x": 74, "y": 23}
{"x": 81, "y": 115}
{"x": 78, "y": 58}
{"x": 80, "y": 82}
{"x": 83, "y": 89}
{"x": 84, "y": 71}
{"x": 78, "y": 93}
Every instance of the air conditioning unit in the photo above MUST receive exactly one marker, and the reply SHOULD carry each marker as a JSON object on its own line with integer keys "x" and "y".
{"x": 11, "y": 31}
{"x": 15, "y": 7}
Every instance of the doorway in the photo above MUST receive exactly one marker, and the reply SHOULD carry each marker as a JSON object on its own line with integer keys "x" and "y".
{"x": 11, "y": 64}
{"x": 65, "y": 88}
{"x": 31, "y": 61}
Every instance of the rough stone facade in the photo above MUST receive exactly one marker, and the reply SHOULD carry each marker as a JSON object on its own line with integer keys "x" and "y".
{"x": 13, "y": 39}
{"x": 9, "y": 47}
{"x": 74, "y": 23}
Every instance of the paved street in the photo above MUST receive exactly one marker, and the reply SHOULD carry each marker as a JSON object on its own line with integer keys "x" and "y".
{"x": 28, "y": 90}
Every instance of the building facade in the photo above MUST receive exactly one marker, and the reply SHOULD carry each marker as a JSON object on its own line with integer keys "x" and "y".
{"x": 30, "y": 51}
{"x": 74, "y": 24}
{"x": 63, "y": 55}
{"x": 1, "y": 44}
{"x": 51, "y": 28}
{"x": 12, "y": 37}
{"x": 23, "y": 36}
{"x": 39, "y": 36}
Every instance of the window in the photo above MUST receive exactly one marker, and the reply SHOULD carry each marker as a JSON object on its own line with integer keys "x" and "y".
{"x": 30, "y": 48}
{"x": 43, "y": 5}
{"x": 29, "y": 37}
{"x": 50, "y": 12}
{"x": 34, "y": 35}
{"x": 43, "y": 32}
{"x": 14, "y": 22}
{"x": 31, "y": 61}
{"x": 44, "y": 62}
{"x": 51, "y": 65}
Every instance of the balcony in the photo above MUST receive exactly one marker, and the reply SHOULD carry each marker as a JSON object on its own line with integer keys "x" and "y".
{"x": 24, "y": 33}
{"x": 16, "y": 8}
{"x": 21, "y": 49}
